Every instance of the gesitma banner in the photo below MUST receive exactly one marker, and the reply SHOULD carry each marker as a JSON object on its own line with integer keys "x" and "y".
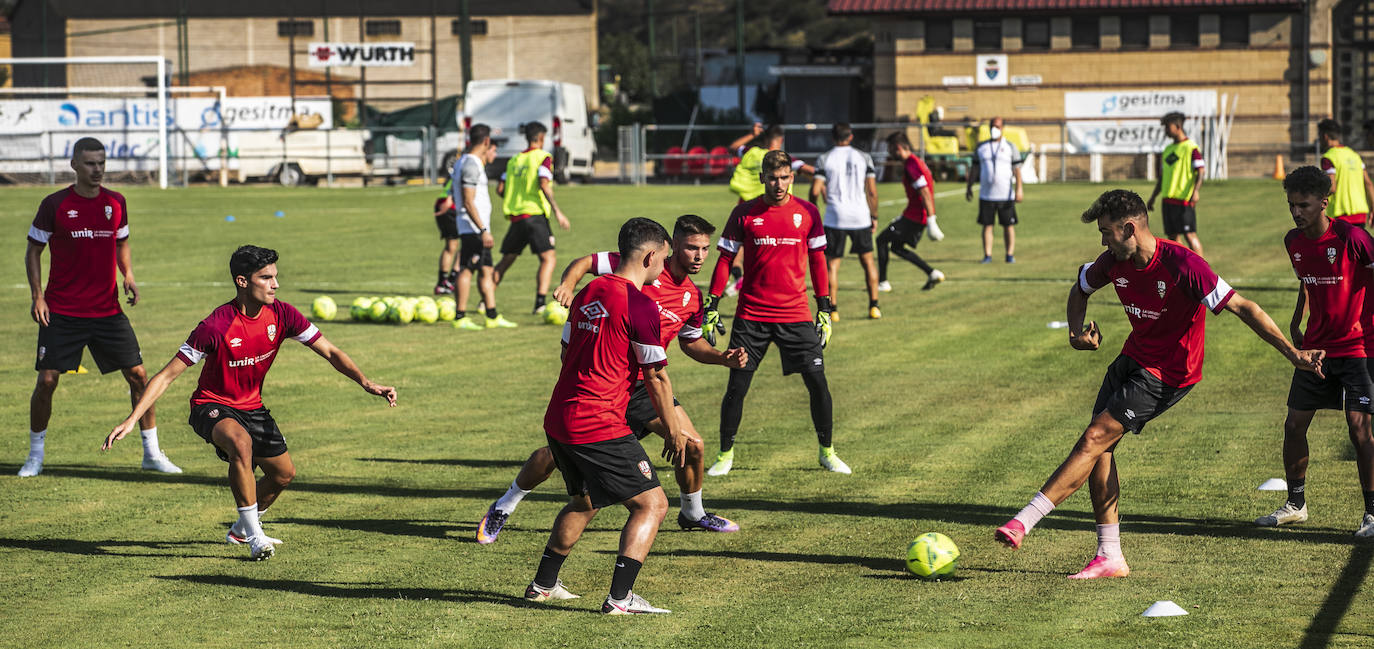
{"x": 1127, "y": 121}
{"x": 390, "y": 54}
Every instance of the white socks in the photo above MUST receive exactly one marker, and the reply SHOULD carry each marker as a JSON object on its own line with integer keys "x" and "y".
{"x": 150, "y": 448}
{"x": 248, "y": 521}
{"x": 1039, "y": 507}
{"x": 36, "y": 441}
{"x": 691, "y": 506}
{"x": 1109, "y": 541}
{"x": 512, "y": 498}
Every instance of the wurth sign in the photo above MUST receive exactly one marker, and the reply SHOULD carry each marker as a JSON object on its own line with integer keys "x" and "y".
{"x": 358, "y": 55}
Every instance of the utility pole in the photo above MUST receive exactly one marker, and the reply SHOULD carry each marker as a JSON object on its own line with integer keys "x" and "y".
{"x": 653, "y": 53}
{"x": 465, "y": 43}
{"x": 739, "y": 57}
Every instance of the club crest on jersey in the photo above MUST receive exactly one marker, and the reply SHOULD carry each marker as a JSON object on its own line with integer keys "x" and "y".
{"x": 1160, "y": 286}
{"x": 796, "y": 219}
{"x": 109, "y": 212}
{"x": 271, "y": 333}
{"x": 71, "y": 214}
{"x": 235, "y": 342}
{"x": 646, "y": 470}
{"x": 686, "y": 297}
{"x": 1331, "y": 255}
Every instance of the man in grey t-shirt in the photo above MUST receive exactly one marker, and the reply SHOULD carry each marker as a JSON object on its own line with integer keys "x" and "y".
{"x": 470, "y": 195}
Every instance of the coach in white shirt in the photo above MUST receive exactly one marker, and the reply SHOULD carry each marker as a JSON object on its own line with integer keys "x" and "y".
{"x": 998, "y": 170}
{"x": 847, "y": 183}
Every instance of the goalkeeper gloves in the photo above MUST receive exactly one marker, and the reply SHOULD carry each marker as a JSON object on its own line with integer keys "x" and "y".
{"x": 823, "y": 326}
{"x": 711, "y": 323}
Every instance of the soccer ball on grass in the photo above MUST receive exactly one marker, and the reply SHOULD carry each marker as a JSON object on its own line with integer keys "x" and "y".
{"x": 324, "y": 308}
{"x": 932, "y": 556}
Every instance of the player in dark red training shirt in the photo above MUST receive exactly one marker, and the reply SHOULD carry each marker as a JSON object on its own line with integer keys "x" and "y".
{"x": 1166, "y": 290}
{"x": 1332, "y": 258}
{"x": 780, "y": 236}
{"x": 679, "y": 311}
{"x": 611, "y": 337}
{"x": 87, "y": 229}
{"x": 238, "y": 342}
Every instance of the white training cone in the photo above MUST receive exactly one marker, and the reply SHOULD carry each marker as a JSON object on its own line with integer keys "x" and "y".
{"x": 1163, "y": 608}
{"x": 1274, "y": 484}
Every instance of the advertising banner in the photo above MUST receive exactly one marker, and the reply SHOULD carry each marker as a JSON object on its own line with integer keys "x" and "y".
{"x": 362, "y": 55}
{"x": 1128, "y": 121}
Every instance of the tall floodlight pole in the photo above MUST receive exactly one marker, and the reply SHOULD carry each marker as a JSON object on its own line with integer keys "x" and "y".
{"x": 739, "y": 56}
{"x": 465, "y": 42}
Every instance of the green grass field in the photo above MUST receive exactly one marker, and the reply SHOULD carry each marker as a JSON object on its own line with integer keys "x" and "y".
{"x": 952, "y": 410}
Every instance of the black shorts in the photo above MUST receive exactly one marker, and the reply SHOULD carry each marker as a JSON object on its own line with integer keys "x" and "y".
{"x": 532, "y": 231}
{"x": 447, "y": 221}
{"x": 797, "y": 341}
{"x": 472, "y": 255}
{"x": 860, "y": 241}
{"x": 903, "y": 230}
{"x": 1004, "y": 211}
{"x": 641, "y": 410}
{"x": 111, "y": 339}
{"x": 1178, "y": 219}
{"x": 1346, "y": 386}
{"x": 609, "y": 472}
{"x": 261, "y": 427}
{"x": 1133, "y": 395}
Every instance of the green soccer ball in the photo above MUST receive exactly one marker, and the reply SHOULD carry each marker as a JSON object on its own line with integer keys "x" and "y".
{"x": 555, "y": 314}
{"x": 324, "y": 308}
{"x": 377, "y": 312}
{"x": 932, "y": 556}
{"x": 360, "y": 309}
{"x": 402, "y": 313}
{"x": 448, "y": 309}
{"x": 427, "y": 312}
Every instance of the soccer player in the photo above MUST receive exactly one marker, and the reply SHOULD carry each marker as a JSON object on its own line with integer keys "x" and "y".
{"x": 527, "y": 192}
{"x": 846, "y": 181}
{"x": 474, "y": 230}
{"x": 679, "y": 310}
{"x": 779, "y": 236}
{"x": 1351, "y": 190}
{"x": 998, "y": 171}
{"x": 1181, "y": 170}
{"x": 239, "y": 341}
{"x": 1166, "y": 291}
{"x": 906, "y": 230}
{"x": 744, "y": 181}
{"x": 86, "y": 226}
{"x": 1332, "y": 258}
{"x": 445, "y": 217}
{"x": 612, "y": 336}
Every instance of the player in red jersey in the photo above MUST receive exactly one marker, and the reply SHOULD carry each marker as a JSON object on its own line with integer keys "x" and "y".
{"x": 680, "y": 315}
{"x": 906, "y": 230}
{"x": 1166, "y": 290}
{"x": 87, "y": 229}
{"x": 1332, "y": 258}
{"x": 780, "y": 236}
{"x": 238, "y": 341}
{"x": 611, "y": 337}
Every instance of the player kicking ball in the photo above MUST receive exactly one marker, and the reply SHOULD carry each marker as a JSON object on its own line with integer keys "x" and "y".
{"x": 239, "y": 340}
{"x": 1166, "y": 290}
{"x": 680, "y": 316}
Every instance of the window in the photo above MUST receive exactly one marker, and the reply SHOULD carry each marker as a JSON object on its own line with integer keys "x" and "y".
{"x": 383, "y": 28}
{"x": 939, "y": 35}
{"x": 1183, "y": 30}
{"x": 987, "y": 35}
{"x": 295, "y": 28}
{"x": 1035, "y": 33}
{"x": 1235, "y": 30}
{"x": 1086, "y": 35}
{"x": 1135, "y": 32}
{"x": 479, "y": 27}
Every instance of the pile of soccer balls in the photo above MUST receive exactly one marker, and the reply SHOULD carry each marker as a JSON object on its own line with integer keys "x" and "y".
{"x": 393, "y": 309}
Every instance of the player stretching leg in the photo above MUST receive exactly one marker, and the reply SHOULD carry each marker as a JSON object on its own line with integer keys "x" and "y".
{"x": 780, "y": 237}
{"x": 611, "y": 336}
{"x": 680, "y": 315}
{"x": 239, "y": 340}
{"x": 1167, "y": 290}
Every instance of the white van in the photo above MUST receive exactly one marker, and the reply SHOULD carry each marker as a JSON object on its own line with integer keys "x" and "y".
{"x": 506, "y": 105}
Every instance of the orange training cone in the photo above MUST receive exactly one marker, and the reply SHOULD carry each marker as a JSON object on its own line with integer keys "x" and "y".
{"x": 1278, "y": 167}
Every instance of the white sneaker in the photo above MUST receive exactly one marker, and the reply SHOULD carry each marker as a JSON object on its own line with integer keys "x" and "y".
{"x": 934, "y": 230}
{"x": 536, "y": 593}
{"x": 631, "y": 605}
{"x": 724, "y": 462}
{"x": 884, "y": 287}
{"x": 1366, "y": 527}
{"x": 235, "y": 537}
{"x": 32, "y": 466}
{"x": 832, "y": 462}
{"x": 159, "y": 463}
{"x": 260, "y": 549}
{"x": 1285, "y": 515}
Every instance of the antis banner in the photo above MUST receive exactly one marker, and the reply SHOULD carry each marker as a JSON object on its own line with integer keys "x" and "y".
{"x": 361, "y": 55}
{"x": 141, "y": 114}
{"x": 1128, "y": 121}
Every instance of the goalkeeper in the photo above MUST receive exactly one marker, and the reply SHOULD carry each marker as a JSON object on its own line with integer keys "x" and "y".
{"x": 780, "y": 237}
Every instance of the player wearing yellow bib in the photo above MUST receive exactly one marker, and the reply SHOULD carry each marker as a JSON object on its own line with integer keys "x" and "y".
{"x": 526, "y": 190}
{"x": 1181, "y": 169}
{"x": 1350, "y": 200}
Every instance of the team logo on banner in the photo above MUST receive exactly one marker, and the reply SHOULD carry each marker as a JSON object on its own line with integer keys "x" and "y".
{"x": 1160, "y": 286}
{"x": 646, "y": 470}
{"x": 271, "y": 332}
{"x": 1331, "y": 255}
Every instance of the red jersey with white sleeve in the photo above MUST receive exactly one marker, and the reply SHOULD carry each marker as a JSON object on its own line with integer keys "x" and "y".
{"x": 612, "y": 332}
{"x": 238, "y": 351}
{"x": 679, "y": 303}
{"x": 81, "y": 234}
{"x": 1166, "y": 302}
{"x": 915, "y": 177}
{"x": 1334, "y": 270}
{"x": 778, "y": 242}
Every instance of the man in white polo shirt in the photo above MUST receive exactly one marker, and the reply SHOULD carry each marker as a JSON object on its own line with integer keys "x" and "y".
{"x": 998, "y": 171}
{"x": 846, "y": 183}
